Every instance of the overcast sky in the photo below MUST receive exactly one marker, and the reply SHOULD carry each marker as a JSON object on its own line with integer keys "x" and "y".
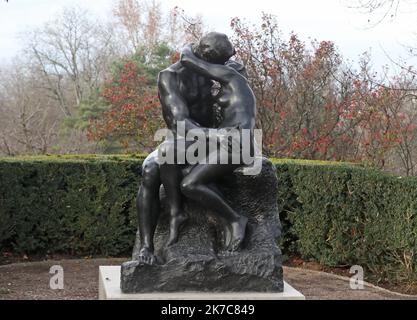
{"x": 319, "y": 19}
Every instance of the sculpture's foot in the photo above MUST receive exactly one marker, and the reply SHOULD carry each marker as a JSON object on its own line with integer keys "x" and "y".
{"x": 227, "y": 253}
{"x": 238, "y": 233}
{"x": 146, "y": 256}
{"x": 227, "y": 235}
{"x": 174, "y": 227}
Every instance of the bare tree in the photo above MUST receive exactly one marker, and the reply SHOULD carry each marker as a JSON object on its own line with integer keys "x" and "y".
{"x": 192, "y": 27}
{"x": 140, "y": 23}
{"x": 29, "y": 121}
{"x": 128, "y": 15}
{"x": 386, "y": 7}
{"x": 65, "y": 63}
{"x": 153, "y": 28}
{"x": 71, "y": 52}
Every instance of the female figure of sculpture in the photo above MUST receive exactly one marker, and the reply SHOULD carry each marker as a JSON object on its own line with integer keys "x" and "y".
{"x": 239, "y": 111}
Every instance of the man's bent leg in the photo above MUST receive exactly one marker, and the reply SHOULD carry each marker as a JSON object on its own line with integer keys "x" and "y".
{"x": 147, "y": 203}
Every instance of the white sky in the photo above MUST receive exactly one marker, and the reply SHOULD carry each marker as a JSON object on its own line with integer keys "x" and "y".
{"x": 319, "y": 19}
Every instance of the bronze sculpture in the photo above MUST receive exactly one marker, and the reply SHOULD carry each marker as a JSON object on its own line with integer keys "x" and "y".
{"x": 185, "y": 95}
{"x": 230, "y": 222}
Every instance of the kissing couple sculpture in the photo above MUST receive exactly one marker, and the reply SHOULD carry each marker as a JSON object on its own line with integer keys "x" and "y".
{"x": 186, "y": 95}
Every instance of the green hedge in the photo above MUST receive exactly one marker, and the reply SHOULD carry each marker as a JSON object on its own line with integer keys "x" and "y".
{"x": 334, "y": 213}
{"x": 341, "y": 215}
{"x": 63, "y": 204}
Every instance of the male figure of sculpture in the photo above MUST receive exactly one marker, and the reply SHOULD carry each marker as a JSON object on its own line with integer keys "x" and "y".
{"x": 185, "y": 96}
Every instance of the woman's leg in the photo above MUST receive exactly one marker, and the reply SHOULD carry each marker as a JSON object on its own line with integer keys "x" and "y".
{"x": 196, "y": 185}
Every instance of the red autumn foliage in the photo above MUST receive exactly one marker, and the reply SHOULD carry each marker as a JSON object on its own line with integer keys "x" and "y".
{"x": 311, "y": 106}
{"x": 134, "y": 115}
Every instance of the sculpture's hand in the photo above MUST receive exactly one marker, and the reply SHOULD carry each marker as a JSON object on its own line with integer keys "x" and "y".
{"x": 187, "y": 52}
{"x": 225, "y": 131}
{"x": 235, "y": 127}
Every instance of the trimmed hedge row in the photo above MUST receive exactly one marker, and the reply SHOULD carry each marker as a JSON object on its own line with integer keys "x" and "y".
{"x": 64, "y": 204}
{"x": 334, "y": 213}
{"x": 345, "y": 215}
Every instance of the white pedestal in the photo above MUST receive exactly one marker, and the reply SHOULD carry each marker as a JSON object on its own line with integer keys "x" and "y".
{"x": 109, "y": 289}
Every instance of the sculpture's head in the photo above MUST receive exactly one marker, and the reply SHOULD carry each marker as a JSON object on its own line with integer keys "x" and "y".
{"x": 214, "y": 47}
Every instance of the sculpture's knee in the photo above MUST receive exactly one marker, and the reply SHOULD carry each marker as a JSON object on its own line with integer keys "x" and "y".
{"x": 150, "y": 174}
{"x": 188, "y": 187}
{"x": 167, "y": 149}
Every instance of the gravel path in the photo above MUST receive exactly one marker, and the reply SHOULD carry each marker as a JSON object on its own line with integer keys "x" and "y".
{"x": 320, "y": 285}
{"x": 31, "y": 281}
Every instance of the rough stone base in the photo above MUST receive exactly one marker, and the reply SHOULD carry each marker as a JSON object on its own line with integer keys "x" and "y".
{"x": 109, "y": 289}
{"x": 198, "y": 261}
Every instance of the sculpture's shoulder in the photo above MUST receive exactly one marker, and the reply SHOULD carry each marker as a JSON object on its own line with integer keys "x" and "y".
{"x": 170, "y": 73}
